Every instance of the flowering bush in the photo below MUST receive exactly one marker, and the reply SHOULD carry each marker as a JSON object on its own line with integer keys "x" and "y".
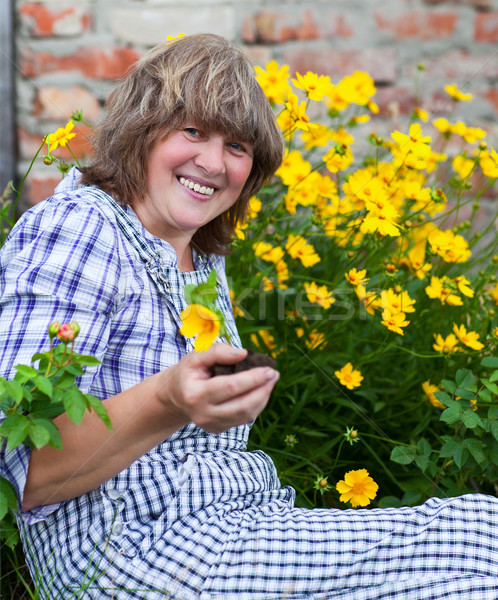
{"x": 363, "y": 274}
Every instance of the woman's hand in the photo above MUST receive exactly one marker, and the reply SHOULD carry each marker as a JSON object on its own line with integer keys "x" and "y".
{"x": 216, "y": 403}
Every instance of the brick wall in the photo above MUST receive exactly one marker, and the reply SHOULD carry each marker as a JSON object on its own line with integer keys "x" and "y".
{"x": 69, "y": 53}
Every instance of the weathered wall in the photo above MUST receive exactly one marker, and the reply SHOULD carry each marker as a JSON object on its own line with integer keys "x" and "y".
{"x": 69, "y": 53}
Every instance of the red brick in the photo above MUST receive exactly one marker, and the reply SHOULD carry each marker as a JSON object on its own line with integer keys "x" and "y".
{"x": 492, "y": 97}
{"x": 387, "y": 97}
{"x": 42, "y": 21}
{"x": 80, "y": 144}
{"x": 380, "y": 63}
{"x": 420, "y": 25}
{"x": 55, "y": 103}
{"x": 100, "y": 63}
{"x": 460, "y": 64}
{"x": 39, "y": 186}
{"x": 486, "y": 27}
{"x": 271, "y": 27}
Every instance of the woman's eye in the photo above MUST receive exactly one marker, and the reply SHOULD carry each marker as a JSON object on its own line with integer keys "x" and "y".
{"x": 236, "y": 146}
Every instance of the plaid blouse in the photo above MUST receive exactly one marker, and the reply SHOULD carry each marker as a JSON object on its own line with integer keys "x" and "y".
{"x": 197, "y": 517}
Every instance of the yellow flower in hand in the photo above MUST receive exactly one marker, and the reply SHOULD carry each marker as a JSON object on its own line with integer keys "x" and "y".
{"x": 197, "y": 320}
{"x": 357, "y": 487}
{"x": 349, "y": 377}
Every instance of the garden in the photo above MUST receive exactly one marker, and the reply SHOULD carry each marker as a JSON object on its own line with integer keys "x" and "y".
{"x": 367, "y": 268}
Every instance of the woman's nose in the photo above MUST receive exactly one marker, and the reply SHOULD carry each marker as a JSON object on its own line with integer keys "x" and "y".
{"x": 211, "y": 155}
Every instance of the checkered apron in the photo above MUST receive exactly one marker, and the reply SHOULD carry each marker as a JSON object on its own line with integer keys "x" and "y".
{"x": 198, "y": 517}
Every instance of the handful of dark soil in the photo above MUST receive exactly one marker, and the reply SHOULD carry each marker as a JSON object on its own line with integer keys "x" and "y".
{"x": 253, "y": 359}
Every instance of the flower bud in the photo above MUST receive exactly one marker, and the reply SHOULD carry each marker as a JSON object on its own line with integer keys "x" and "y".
{"x": 494, "y": 258}
{"x": 66, "y": 333}
{"x": 48, "y": 160}
{"x": 483, "y": 145}
{"x": 75, "y": 327}
{"x": 53, "y": 329}
{"x": 398, "y": 289}
{"x": 323, "y": 483}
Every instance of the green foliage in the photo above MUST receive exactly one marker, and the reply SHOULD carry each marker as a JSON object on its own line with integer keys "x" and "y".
{"x": 38, "y": 394}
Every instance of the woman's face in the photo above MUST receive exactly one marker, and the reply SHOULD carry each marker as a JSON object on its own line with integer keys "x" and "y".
{"x": 193, "y": 176}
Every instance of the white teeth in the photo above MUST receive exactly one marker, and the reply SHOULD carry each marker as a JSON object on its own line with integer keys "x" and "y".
{"x": 201, "y": 189}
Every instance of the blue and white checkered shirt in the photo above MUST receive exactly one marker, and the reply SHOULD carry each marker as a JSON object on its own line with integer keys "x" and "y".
{"x": 197, "y": 517}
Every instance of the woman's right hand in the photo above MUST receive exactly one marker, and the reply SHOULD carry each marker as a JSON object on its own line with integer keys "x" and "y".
{"x": 216, "y": 403}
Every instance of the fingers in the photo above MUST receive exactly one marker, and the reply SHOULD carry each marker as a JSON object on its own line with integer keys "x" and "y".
{"x": 219, "y": 353}
{"x": 228, "y": 387}
{"x": 237, "y": 411}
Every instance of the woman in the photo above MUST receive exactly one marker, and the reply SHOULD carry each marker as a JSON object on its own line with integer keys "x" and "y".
{"x": 169, "y": 504}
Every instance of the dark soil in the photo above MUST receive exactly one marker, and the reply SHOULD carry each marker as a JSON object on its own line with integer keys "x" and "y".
{"x": 253, "y": 359}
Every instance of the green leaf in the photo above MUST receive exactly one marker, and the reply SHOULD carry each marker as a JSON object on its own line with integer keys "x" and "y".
{"x": 452, "y": 414}
{"x": 471, "y": 419}
{"x": 464, "y": 378}
{"x": 448, "y": 449}
{"x": 443, "y": 397}
{"x": 465, "y": 393}
{"x": 88, "y": 361}
{"x": 44, "y": 385}
{"x": 26, "y": 371}
{"x": 422, "y": 462}
{"x": 493, "y": 412}
{"x": 402, "y": 455}
{"x": 492, "y": 387}
{"x": 490, "y": 361}
{"x": 100, "y": 409}
{"x": 475, "y": 447}
{"x": 74, "y": 404}
{"x": 448, "y": 385}
{"x": 423, "y": 447}
{"x": 494, "y": 376}
{"x": 54, "y": 436}
{"x": 39, "y": 434}
{"x": 460, "y": 456}
{"x": 484, "y": 395}
{"x": 15, "y": 429}
{"x": 14, "y": 389}
{"x": 494, "y": 429}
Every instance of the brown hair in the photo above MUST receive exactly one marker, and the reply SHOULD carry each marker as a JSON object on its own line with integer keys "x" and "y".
{"x": 201, "y": 79}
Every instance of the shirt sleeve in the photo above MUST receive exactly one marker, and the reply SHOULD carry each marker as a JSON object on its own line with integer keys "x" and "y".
{"x": 60, "y": 263}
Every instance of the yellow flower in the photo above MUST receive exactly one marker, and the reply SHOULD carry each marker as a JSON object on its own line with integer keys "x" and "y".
{"x": 463, "y": 166}
{"x": 394, "y": 302}
{"x": 299, "y": 248}
{"x": 358, "y": 88}
{"x": 315, "y": 339}
{"x": 357, "y": 487}
{"x": 349, "y": 377}
{"x": 61, "y": 137}
{"x": 443, "y": 290}
{"x": 456, "y": 94}
{"x": 197, "y": 320}
{"x": 468, "y": 338}
{"x": 338, "y": 158}
{"x": 237, "y": 310}
{"x": 447, "y": 345}
{"x": 380, "y": 218}
{"x": 443, "y": 125}
{"x": 473, "y": 134}
{"x": 268, "y": 252}
{"x": 394, "y": 321}
{"x": 170, "y": 38}
{"x": 421, "y": 114}
{"x": 266, "y": 337}
{"x": 316, "y": 137}
{"x": 274, "y": 81}
{"x": 315, "y": 86}
{"x": 320, "y": 295}
{"x": 415, "y": 142}
{"x": 493, "y": 292}
{"x": 429, "y": 389}
{"x": 452, "y": 248}
{"x": 462, "y": 284}
{"x": 294, "y": 168}
{"x": 297, "y": 111}
{"x": 355, "y": 277}
{"x": 488, "y": 162}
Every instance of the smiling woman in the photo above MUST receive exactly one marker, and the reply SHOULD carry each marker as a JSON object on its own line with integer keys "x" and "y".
{"x": 170, "y": 504}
